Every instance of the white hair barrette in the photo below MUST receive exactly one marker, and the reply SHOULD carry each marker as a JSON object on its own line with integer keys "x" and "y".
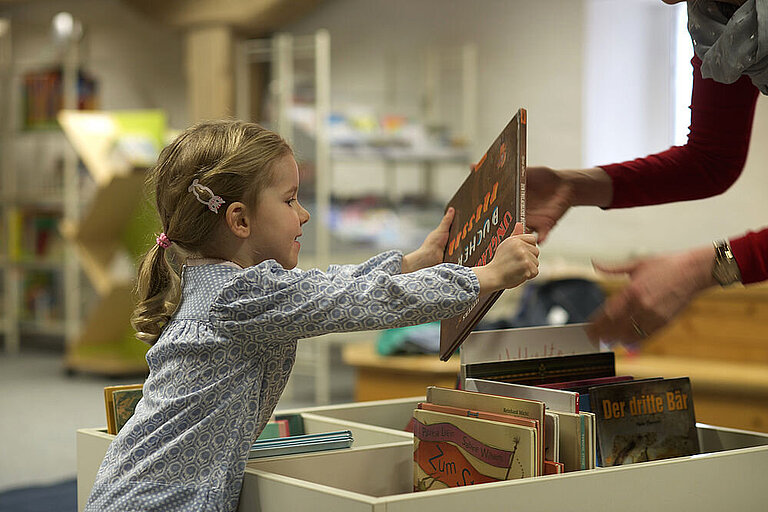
{"x": 213, "y": 203}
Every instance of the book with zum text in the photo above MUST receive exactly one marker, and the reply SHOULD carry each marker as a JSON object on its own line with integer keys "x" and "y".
{"x": 504, "y": 418}
{"x": 522, "y": 408}
{"x": 454, "y": 451}
{"x": 645, "y": 420}
{"x": 488, "y": 204}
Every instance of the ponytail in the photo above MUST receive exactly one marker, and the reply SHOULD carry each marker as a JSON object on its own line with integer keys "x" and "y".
{"x": 158, "y": 290}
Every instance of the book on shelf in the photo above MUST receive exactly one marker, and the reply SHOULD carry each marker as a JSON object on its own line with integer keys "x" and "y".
{"x": 295, "y": 422}
{"x": 487, "y": 204}
{"x": 531, "y": 410}
{"x": 274, "y": 429}
{"x": 305, "y": 443}
{"x": 124, "y": 402}
{"x": 526, "y": 343}
{"x": 555, "y": 399}
{"x": 504, "y": 418}
{"x": 452, "y": 450}
{"x": 109, "y": 405}
{"x": 644, "y": 420}
{"x": 545, "y": 370}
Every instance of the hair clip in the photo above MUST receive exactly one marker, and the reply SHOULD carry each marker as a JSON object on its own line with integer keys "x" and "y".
{"x": 214, "y": 203}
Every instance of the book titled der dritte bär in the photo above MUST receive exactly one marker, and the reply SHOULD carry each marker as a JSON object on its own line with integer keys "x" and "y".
{"x": 645, "y": 420}
{"x": 488, "y": 204}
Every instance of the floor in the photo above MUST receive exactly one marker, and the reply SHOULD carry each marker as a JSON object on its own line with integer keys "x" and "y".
{"x": 41, "y": 407}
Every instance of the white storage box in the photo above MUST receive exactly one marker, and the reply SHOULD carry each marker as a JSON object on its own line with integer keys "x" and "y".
{"x": 377, "y": 477}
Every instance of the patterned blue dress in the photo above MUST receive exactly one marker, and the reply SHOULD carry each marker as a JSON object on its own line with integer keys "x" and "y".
{"x": 221, "y": 363}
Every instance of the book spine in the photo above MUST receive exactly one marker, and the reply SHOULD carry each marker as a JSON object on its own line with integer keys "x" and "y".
{"x": 522, "y": 143}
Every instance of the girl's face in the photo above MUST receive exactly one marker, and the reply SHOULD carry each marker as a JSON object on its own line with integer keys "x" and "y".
{"x": 278, "y": 217}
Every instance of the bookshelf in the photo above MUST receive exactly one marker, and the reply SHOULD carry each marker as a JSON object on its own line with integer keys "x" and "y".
{"x": 41, "y": 187}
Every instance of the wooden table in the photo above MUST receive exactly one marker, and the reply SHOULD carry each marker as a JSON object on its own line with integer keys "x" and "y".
{"x": 383, "y": 377}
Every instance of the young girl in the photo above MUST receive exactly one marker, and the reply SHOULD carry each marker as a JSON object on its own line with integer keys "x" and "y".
{"x": 224, "y": 332}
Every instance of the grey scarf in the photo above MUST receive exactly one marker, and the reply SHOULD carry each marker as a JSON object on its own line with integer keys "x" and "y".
{"x": 729, "y": 48}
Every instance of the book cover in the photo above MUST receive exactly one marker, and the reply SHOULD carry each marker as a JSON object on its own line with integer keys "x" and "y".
{"x": 526, "y": 343}
{"x": 553, "y": 399}
{"x": 109, "y": 404}
{"x": 454, "y": 451}
{"x": 488, "y": 204}
{"x": 522, "y": 408}
{"x": 543, "y": 370}
{"x": 504, "y": 418}
{"x": 642, "y": 421}
{"x": 124, "y": 401}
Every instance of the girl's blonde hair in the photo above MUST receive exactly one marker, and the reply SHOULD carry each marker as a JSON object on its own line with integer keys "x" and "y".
{"x": 234, "y": 160}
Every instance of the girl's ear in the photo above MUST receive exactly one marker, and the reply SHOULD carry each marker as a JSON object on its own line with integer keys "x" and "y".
{"x": 237, "y": 220}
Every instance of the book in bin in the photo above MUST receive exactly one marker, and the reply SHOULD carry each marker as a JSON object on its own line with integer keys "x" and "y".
{"x": 488, "y": 204}
{"x": 645, "y": 420}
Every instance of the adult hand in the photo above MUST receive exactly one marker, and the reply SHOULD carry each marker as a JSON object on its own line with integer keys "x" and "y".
{"x": 516, "y": 260}
{"x": 548, "y": 196}
{"x": 659, "y": 288}
{"x": 431, "y": 251}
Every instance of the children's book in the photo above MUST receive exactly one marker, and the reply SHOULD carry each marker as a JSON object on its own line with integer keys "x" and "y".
{"x": 488, "y": 204}
{"x": 545, "y": 370}
{"x": 521, "y": 408}
{"x": 504, "y": 418}
{"x": 526, "y": 343}
{"x": 554, "y": 399}
{"x": 301, "y": 444}
{"x": 274, "y": 428}
{"x": 644, "y": 420}
{"x": 109, "y": 404}
{"x": 124, "y": 402}
{"x": 452, "y": 451}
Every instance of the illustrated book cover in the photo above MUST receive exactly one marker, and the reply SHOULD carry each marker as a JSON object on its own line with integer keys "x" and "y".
{"x": 644, "y": 420}
{"x": 109, "y": 404}
{"x": 488, "y": 204}
{"x": 532, "y": 410}
{"x": 454, "y": 451}
{"x": 124, "y": 402}
{"x": 504, "y": 418}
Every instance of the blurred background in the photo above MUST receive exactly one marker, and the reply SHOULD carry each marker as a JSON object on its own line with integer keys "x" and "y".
{"x": 387, "y": 104}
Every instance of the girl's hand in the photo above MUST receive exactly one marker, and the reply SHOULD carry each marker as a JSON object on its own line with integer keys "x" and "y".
{"x": 516, "y": 261}
{"x": 431, "y": 251}
{"x": 659, "y": 288}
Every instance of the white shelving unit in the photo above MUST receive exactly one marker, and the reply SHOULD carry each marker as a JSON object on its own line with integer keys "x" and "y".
{"x": 282, "y": 56}
{"x": 40, "y": 181}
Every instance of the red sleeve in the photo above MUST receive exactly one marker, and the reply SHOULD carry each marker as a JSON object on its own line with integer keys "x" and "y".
{"x": 751, "y": 253}
{"x": 711, "y": 160}
{"x": 709, "y": 163}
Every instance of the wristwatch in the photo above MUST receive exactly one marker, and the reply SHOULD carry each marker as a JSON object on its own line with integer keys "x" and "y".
{"x": 725, "y": 270}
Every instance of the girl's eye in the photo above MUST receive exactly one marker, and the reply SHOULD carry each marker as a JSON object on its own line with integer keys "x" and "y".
{"x": 291, "y": 201}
